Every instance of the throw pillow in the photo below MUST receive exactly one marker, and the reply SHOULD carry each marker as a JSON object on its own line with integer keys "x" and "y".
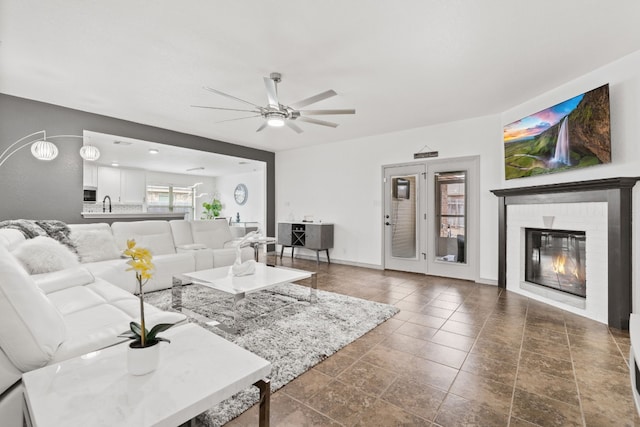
{"x": 27, "y": 227}
{"x": 57, "y": 230}
{"x": 95, "y": 245}
{"x": 44, "y": 255}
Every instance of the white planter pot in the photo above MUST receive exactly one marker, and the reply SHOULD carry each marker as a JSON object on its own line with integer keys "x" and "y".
{"x": 141, "y": 361}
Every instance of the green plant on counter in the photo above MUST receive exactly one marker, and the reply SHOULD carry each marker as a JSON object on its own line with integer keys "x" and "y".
{"x": 211, "y": 210}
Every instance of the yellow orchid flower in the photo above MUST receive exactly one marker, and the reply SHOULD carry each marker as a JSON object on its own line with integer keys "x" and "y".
{"x": 140, "y": 262}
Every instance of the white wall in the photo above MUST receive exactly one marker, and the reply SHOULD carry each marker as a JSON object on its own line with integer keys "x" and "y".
{"x": 341, "y": 182}
{"x": 254, "y": 210}
{"x": 623, "y": 77}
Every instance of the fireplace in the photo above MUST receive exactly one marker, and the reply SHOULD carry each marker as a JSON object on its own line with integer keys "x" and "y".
{"x": 609, "y": 295}
{"x": 556, "y": 259}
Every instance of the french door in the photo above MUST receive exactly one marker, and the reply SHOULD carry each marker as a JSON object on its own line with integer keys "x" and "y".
{"x": 430, "y": 217}
{"x": 404, "y": 223}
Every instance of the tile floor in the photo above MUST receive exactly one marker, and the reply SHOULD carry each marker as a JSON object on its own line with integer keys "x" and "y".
{"x": 458, "y": 353}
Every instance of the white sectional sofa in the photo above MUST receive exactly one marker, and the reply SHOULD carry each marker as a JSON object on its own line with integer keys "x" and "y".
{"x": 177, "y": 247}
{"x": 53, "y": 316}
{"x": 211, "y": 242}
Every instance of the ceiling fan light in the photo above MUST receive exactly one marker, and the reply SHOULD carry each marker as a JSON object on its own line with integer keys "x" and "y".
{"x": 90, "y": 153}
{"x": 44, "y": 150}
{"x": 275, "y": 121}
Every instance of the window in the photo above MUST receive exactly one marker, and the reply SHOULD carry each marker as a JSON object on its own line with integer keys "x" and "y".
{"x": 451, "y": 216}
{"x": 167, "y": 198}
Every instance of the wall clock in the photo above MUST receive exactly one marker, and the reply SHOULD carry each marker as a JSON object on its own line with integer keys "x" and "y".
{"x": 240, "y": 194}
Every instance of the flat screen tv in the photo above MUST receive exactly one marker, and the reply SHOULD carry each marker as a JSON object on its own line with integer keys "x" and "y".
{"x": 572, "y": 134}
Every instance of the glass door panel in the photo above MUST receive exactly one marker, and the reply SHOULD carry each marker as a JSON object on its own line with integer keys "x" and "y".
{"x": 404, "y": 211}
{"x": 450, "y": 216}
{"x": 404, "y": 219}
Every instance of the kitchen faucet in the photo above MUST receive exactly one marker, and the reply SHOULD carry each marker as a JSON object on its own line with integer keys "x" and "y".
{"x": 103, "y": 200}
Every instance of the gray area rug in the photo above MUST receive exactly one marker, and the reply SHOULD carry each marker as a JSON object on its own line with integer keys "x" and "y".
{"x": 281, "y": 326}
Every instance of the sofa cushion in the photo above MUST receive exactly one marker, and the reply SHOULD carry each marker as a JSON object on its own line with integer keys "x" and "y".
{"x": 9, "y": 375}
{"x": 181, "y": 231}
{"x": 43, "y": 255}
{"x": 51, "y": 282}
{"x": 32, "y": 328}
{"x": 97, "y": 313}
{"x": 58, "y": 231}
{"x": 214, "y": 234}
{"x": 227, "y": 256}
{"x": 10, "y": 238}
{"x": 153, "y": 235}
{"x": 92, "y": 226}
{"x": 115, "y": 271}
{"x": 95, "y": 245}
{"x": 168, "y": 266}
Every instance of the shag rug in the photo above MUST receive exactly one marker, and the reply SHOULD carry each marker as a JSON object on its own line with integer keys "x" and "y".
{"x": 281, "y": 326}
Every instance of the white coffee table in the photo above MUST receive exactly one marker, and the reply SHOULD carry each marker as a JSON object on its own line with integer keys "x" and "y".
{"x": 222, "y": 279}
{"x": 196, "y": 371}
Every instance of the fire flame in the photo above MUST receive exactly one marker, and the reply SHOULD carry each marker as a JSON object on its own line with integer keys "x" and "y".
{"x": 558, "y": 264}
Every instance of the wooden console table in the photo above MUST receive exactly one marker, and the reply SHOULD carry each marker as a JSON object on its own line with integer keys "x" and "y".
{"x": 309, "y": 235}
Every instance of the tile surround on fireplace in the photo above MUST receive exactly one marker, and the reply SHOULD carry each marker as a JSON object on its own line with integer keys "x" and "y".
{"x": 588, "y": 218}
{"x": 617, "y": 193}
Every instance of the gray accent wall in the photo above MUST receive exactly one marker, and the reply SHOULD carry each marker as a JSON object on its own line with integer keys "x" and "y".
{"x": 35, "y": 189}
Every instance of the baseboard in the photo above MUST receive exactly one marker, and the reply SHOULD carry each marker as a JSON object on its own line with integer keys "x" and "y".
{"x": 484, "y": 281}
{"x": 338, "y": 261}
{"x": 481, "y": 281}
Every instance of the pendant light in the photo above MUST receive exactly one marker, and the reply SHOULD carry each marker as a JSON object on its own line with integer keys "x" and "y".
{"x": 44, "y": 150}
{"x": 90, "y": 153}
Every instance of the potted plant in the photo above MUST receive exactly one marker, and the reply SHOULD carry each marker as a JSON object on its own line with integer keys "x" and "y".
{"x": 143, "y": 355}
{"x": 211, "y": 210}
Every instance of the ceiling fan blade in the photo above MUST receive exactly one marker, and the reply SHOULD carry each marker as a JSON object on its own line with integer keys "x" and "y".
{"x": 272, "y": 92}
{"x": 264, "y": 125}
{"x": 227, "y": 109}
{"x": 230, "y": 96}
{"x": 239, "y": 118}
{"x": 293, "y": 126}
{"x": 327, "y": 112}
{"x": 317, "y": 122}
{"x": 313, "y": 99}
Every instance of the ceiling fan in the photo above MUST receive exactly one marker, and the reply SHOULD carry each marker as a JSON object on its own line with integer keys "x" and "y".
{"x": 277, "y": 114}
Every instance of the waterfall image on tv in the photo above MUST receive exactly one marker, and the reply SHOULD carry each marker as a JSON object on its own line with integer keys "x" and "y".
{"x": 569, "y": 135}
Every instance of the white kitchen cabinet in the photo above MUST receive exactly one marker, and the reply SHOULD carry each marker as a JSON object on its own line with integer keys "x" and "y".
{"x": 133, "y": 186}
{"x": 122, "y": 185}
{"x": 108, "y": 184}
{"x": 89, "y": 174}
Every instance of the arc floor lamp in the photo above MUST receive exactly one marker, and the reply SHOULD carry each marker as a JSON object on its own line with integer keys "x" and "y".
{"x": 43, "y": 149}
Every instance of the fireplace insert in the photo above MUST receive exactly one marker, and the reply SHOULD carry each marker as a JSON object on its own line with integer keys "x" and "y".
{"x": 556, "y": 259}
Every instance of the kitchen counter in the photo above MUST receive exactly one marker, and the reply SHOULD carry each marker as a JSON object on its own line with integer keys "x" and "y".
{"x": 140, "y": 215}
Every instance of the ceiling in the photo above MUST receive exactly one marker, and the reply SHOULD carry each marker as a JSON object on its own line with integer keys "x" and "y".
{"x": 401, "y": 64}
{"x": 134, "y": 153}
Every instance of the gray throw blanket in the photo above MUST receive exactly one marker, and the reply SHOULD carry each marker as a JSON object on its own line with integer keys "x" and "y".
{"x": 55, "y": 229}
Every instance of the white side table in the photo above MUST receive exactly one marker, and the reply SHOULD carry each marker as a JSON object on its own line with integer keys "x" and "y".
{"x": 196, "y": 371}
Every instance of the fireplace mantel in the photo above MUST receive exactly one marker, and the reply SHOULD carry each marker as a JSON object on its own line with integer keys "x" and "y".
{"x": 617, "y": 193}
